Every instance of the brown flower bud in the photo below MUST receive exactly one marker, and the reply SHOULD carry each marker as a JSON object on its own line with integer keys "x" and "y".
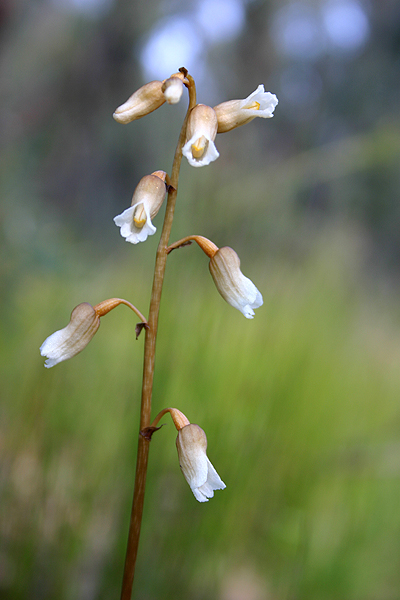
{"x": 146, "y": 99}
{"x": 173, "y": 89}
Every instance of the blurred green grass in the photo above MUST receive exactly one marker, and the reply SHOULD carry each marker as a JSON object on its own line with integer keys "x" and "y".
{"x": 301, "y": 411}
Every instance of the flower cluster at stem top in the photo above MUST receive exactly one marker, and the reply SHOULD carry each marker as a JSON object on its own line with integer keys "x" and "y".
{"x": 203, "y": 124}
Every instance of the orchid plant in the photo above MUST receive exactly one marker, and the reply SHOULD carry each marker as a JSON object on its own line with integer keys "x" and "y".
{"x": 196, "y": 143}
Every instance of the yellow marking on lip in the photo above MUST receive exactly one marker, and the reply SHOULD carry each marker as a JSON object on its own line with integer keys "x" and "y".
{"x": 139, "y": 218}
{"x": 199, "y": 147}
{"x": 254, "y": 106}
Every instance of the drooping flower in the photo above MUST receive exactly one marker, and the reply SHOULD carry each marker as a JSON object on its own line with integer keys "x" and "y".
{"x": 135, "y": 222}
{"x": 234, "y": 113}
{"x": 142, "y": 102}
{"x": 71, "y": 340}
{"x": 201, "y": 130}
{"x": 84, "y": 322}
{"x": 196, "y": 467}
{"x": 234, "y": 287}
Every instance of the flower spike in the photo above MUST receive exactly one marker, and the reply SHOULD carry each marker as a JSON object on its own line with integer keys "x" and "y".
{"x": 234, "y": 113}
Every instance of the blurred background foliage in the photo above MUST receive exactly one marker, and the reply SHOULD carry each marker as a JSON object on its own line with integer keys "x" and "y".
{"x": 301, "y": 405}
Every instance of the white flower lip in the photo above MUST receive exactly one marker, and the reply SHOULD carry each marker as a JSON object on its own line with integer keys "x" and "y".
{"x": 209, "y": 156}
{"x": 149, "y": 194}
{"x": 202, "y": 124}
{"x": 129, "y": 230}
{"x": 239, "y": 291}
{"x": 266, "y": 100}
{"x": 197, "y": 469}
{"x": 235, "y": 113}
{"x": 71, "y": 340}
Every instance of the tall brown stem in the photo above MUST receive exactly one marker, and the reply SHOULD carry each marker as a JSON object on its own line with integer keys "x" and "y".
{"x": 148, "y": 365}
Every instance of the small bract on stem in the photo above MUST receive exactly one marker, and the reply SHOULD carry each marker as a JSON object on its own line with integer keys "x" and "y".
{"x": 196, "y": 142}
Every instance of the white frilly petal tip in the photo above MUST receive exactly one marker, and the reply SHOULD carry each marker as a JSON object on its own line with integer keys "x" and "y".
{"x": 51, "y": 349}
{"x": 234, "y": 113}
{"x": 209, "y": 156}
{"x": 266, "y": 100}
{"x": 248, "y": 298}
{"x": 129, "y": 230}
{"x": 213, "y": 482}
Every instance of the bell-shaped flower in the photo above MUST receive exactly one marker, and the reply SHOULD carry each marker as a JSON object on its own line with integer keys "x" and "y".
{"x": 198, "y": 471}
{"x": 234, "y": 287}
{"x": 71, "y": 340}
{"x": 142, "y": 102}
{"x": 201, "y": 130}
{"x": 135, "y": 222}
{"x": 234, "y": 113}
